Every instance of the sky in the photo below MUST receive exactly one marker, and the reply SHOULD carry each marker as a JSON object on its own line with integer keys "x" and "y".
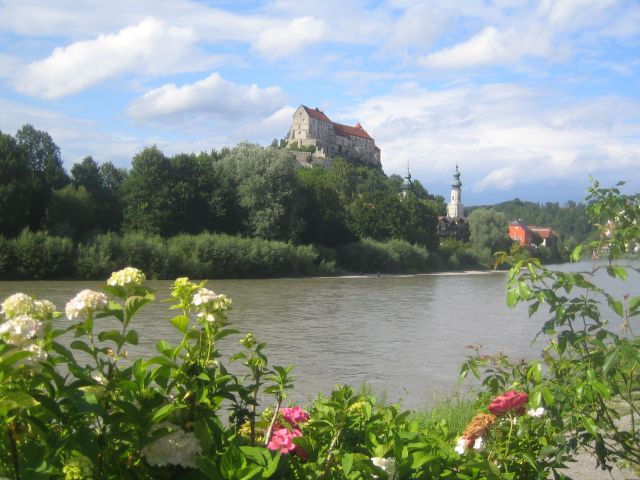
{"x": 529, "y": 98}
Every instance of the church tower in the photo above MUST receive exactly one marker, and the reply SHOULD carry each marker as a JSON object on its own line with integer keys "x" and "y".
{"x": 406, "y": 184}
{"x": 455, "y": 208}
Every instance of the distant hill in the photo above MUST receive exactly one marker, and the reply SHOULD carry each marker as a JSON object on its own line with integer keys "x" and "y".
{"x": 568, "y": 220}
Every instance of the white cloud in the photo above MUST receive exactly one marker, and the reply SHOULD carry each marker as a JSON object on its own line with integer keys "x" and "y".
{"x": 213, "y": 96}
{"x": 282, "y": 41}
{"x": 150, "y": 47}
{"x": 504, "y": 136}
{"x": 492, "y": 46}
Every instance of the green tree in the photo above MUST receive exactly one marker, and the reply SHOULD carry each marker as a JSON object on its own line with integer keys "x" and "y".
{"x": 324, "y": 215}
{"x": 147, "y": 193}
{"x": 15, "y": 186}
{"x": 71, "y": 213}
{"x": 267, "y": 191}
{"x": 489, "y": 233}
{"x": 46, "y": 167}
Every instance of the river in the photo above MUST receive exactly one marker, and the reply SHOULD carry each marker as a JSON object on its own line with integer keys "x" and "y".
{"x": 404, "y": 336}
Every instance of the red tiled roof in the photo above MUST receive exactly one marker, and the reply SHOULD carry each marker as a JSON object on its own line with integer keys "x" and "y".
{"x": 346, "y": 130}
{"x": 317, "y": 114}
{"x": 544, "y": 232}
{"x": 342, "y": 130}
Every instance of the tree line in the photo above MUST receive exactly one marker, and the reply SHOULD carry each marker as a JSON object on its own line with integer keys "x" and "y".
{"x": 247, "y": 191}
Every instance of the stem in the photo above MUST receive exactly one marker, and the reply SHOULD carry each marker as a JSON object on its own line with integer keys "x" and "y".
{"x": 327, "y": 461}
{"x": 273, "y": 421}
{"x": 14, "y": 451}
{"x": 252, "y": 418}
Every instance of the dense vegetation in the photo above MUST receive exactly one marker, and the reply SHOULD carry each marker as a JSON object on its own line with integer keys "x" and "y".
{"x": 350, "y": 217}
{"x": 80, "y": 408}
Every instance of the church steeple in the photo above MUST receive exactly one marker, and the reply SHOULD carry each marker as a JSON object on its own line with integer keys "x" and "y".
{"x": 455, "y": 208}
{"x": 406, "y": 184}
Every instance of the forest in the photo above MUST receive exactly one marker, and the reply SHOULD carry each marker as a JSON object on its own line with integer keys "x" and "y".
{"x": 351, "y": 217}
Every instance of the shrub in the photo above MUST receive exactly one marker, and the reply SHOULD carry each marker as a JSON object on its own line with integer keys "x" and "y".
{"x": 370, "y": 256}
{"x": 38, "y": 256}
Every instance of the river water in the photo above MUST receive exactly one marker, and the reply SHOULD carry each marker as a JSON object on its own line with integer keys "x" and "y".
{"x": 404, "y": 336}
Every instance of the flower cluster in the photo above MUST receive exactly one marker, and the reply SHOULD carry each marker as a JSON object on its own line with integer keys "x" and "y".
{"x": 127, "y": 277}
{"x": 85, "y": 304}
{"x": 283, "y": 435}
{"x": 510, "y": 401}
{"x": 472, "y": 437}
{"x": 78, "y": 467}
{"x": 22, "y": 304}
{"x": 21, "y": 329}
{"x": 388, "y": 465}
{"x": 208, "y": 303}
{"x": 175, "y": 448}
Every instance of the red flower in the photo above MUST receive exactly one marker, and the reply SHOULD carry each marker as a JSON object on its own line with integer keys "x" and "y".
{"x": 510, "y": 400}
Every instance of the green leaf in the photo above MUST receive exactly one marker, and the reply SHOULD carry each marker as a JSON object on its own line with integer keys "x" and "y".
{"x": 132, "y": 337}
{"x": 347, "y": 463}
{"x": 634, "y": 304}
{"x": 181, "y": 322}
{"x": 16, "y": 400}
{"x": 575, "y": 255}
{"x": 616, "y": 306}
{"x": 589, "y": 425}
{"x": 617, "y": 272}
{"x": 610, "y": 360}
{"x": 80, "y": 345}
{"x": 208, "y": 467}
{"x": 112, "y": 335}
{"x": 419, "y": 459}
{"x": 512, "y": 296}
{"x": 164, "y": 412}
{"x": 135, "y": 303}
{"x": 232, "y": 461}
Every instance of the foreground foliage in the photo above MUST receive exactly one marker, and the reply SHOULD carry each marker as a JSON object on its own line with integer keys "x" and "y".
{"x": 75, "y": 406}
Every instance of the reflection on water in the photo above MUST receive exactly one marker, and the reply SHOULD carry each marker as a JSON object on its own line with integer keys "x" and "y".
{"x": 403, "y": 336}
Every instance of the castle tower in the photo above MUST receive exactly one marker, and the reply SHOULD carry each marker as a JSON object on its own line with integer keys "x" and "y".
{"x": 455, "y": 208}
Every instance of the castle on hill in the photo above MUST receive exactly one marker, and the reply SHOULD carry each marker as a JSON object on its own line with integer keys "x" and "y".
{"x": 320, "y": 139}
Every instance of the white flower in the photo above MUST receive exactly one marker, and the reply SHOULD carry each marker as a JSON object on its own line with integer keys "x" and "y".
{"x": 388, "y": 465}
{"x": 38, "y": 356}
{"x": 460, "y": 447}
{"x": 20, "y": 329}
{"x": 478, "y": 444}
{"x": 85, "y": 303}
{"x": 127, "y": 277}
{"x": 43, "y": 308}
{"x": 99, "y": 377}
{"x": 536, "y": 412}
{"x": 203, "y": 296}
{"x": 175, "y": 448}
{"x": 17, "y": 304}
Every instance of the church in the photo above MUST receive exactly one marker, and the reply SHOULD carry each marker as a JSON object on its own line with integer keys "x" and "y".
{"x": 454, "y": 224}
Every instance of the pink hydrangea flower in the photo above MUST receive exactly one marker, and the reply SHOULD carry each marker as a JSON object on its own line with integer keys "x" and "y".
{"x": 510, "y": 400}
{"x": 282, "y": 439}
{"x": 294, "y": 415}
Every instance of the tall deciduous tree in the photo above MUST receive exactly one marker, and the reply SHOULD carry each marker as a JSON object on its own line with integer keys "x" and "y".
{"x": 47, "y": 170}
{"x": 16, "y": 186}
{"x": 489, "y": 233}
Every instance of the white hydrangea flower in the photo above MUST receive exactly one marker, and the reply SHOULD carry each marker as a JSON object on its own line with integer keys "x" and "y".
{"x": 127, "y": 277}
{"x": 478, "y": 444}
{"x": 204, "y": 296}
{"x": 85, "y": 303}
{"x": 388, "y": 465}
{"x": 460, "y": 447}
{"x": 44, "y": 308}
{"x": 175, "y": 448}
{"x": 19, "y": 330}
{"x": 17, "y": 304}
{"x": 536, "y": 412}
{"x": 38, "y": 356}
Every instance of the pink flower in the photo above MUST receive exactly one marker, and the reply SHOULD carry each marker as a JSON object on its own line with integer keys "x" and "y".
{"x": 510, "y": 400}
{"x": 294, "y": 415}
{"x": 282, "y": 440}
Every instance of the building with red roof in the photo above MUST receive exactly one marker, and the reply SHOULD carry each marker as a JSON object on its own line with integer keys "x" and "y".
{"x": 310, "y": 127}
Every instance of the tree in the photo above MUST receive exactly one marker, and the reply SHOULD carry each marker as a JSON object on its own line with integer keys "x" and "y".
{"x": 147, "y": 193}
{"x": 15, "y": 186}
{"x": 267, "y": 191}
{"x": 488, "y": 229}
{"x": 46, "y": 167}
{"x": 324, "y": 215}
{"x": 87, "y": 174}
{"x": 71, "y": 213}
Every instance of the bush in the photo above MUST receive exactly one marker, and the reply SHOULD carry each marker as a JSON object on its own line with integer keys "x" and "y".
{"x": 40, "y": 256}
{"x": 101, "y": 256}
{"x": 394, "y": 256}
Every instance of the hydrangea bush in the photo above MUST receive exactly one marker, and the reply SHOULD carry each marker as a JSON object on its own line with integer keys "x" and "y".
{"x": 83, "y": 409}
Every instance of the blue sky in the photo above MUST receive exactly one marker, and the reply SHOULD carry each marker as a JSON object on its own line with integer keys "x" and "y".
{"x": 529, "y": 98}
